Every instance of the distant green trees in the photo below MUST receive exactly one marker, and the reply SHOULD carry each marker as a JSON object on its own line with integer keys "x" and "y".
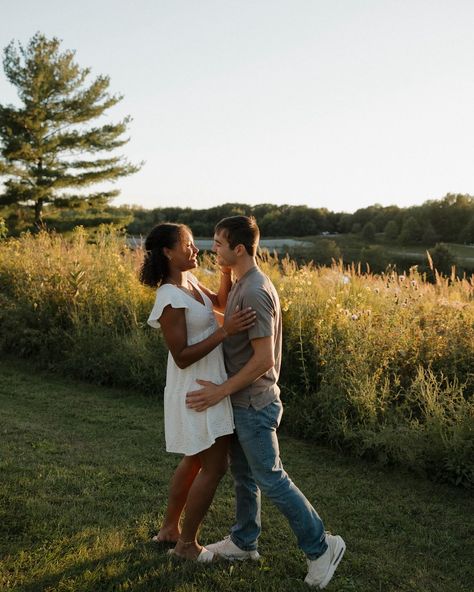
{"x": 368, "y": 232}
{"x": 467, "y": 233}
{"x": 273, "y": 220}
{"x": 449, "y": 216}
{"x": 411, "y": 232}
{"x": 415, "y": 225}
{"x": 429, "y": 236}
{"x": 407, "y": 226}
{"x": 391, "y": 230}
{"x": 450, "y": 219}
{"x": 48, "y": 153}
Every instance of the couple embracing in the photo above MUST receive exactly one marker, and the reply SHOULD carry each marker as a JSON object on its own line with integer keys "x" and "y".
{"x": 222, "y": 398}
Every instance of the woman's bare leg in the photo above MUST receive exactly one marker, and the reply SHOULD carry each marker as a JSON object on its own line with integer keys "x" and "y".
{"x": 180, "y": 484}
{"x": 201, "y": 493}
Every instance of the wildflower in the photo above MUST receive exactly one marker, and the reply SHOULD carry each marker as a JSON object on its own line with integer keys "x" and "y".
{"x": 354, "y": 317}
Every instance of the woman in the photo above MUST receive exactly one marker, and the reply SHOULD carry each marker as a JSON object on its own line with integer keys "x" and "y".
{"x": 184, "y": 311}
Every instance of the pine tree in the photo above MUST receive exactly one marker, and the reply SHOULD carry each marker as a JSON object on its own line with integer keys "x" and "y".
{"x": 47, "y": 152}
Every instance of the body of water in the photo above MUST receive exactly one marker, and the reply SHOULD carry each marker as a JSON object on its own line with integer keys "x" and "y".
{"x": 281, "y": 245}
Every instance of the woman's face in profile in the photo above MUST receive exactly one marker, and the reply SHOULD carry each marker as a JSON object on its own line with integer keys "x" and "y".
{"x": 184, "y": 253}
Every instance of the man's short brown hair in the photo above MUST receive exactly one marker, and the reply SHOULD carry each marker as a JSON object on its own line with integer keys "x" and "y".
{"x": 240, "y": 230}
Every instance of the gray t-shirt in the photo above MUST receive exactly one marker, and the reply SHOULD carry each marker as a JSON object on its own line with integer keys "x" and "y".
{"x": 256, "y": 290}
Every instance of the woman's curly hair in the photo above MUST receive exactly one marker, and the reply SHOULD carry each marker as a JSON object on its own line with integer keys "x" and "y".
{"x": 155, "y": 266}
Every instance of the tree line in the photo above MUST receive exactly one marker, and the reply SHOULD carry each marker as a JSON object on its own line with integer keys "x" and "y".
{"x": 450, "y": 219}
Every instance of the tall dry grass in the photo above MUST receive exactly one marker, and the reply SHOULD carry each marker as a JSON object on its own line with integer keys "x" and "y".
{"x": 381, "y": 365}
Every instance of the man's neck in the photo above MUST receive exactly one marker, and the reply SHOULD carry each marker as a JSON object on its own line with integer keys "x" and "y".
{"x": 243, "y": 265}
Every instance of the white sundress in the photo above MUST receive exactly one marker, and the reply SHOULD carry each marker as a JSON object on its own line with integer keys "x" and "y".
{"x": 187, "y": 431}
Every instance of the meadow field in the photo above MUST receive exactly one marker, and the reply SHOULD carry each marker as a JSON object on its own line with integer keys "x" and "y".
{"x": 376, "y": 366}
{"x": 84, "y": 485}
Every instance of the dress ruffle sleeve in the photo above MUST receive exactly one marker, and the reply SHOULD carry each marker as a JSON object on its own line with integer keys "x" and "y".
{"x": 166, "y": 295}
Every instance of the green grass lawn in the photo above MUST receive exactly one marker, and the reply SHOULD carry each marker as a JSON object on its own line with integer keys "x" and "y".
{"x": 83, "y": 487}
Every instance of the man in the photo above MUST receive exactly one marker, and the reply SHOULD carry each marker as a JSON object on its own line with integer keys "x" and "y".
{"x": 253, "y": 364}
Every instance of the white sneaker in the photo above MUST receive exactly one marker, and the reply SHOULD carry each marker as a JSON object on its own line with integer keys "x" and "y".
{"x": 227, "y": 549}
{"x": 322, "y": 569}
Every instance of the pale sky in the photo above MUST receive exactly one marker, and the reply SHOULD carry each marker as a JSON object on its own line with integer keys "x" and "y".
{"x": 336, "y": 103}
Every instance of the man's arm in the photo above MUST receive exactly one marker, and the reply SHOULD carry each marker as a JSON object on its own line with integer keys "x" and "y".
{"x": 260, "y": 362}
{"x": 219, "y": 298}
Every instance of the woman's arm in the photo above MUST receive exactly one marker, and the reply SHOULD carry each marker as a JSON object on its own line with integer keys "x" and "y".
{"x": 173, "y": 325}
{"x": 219, "y": 298}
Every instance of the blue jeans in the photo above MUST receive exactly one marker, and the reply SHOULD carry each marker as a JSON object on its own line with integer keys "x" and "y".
{"x": 256, "y": 466}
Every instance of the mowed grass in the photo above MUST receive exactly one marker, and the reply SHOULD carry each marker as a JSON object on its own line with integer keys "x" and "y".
{"x": 83, "y": 487}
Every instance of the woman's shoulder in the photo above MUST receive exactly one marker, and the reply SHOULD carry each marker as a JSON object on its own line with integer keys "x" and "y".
{"x": 167, "y": 293}
{"x": 164, "y": 288}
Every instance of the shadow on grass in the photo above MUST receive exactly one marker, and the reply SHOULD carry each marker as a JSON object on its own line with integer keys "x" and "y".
{"x": 146, "y": 568}
{"x": 137, "y": 567}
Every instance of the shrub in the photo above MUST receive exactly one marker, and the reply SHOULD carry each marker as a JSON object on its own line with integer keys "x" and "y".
{"x": 376, "y": 257}
{"x": 442, "y": 259}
